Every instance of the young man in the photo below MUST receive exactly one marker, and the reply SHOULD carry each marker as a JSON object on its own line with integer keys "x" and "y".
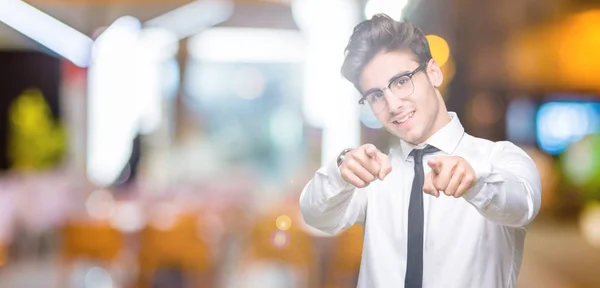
{"x": 443, "y": 208}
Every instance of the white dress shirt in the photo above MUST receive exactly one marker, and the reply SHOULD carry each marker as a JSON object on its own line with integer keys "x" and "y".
{"x": 473, "y": 241}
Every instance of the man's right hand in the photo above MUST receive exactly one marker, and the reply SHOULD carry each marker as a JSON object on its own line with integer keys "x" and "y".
{"x": 364, "y": 165}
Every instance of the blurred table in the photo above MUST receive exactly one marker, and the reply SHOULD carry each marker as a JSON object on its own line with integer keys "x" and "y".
{"x": 556, "y": 256}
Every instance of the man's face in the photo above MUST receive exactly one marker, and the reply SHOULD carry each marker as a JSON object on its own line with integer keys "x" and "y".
{"x": 409, "y": 109}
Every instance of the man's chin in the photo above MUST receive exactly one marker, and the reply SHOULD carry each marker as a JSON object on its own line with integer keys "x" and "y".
{"x": 404, "y": 137}
{"x": 409, "y": 137}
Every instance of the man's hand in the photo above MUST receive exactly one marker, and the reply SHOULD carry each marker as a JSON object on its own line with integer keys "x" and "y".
{"x": 364, "y": 164}
{"x": 452, "y": 175}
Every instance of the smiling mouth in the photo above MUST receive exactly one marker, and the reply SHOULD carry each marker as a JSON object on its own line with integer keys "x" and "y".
{"x": 404, "y": 119}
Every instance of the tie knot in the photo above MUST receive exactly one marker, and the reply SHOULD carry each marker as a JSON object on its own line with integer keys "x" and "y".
{"x": 419, "y": 153}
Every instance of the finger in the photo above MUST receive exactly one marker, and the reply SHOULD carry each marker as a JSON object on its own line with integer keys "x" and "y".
{"x": 454, "y": 183}
{"x": 466, "y": 184}
{"x": 371, "y": 164}
{"x": 359, "y": 170}
{"x": 441, "y": 180}
{"x": 435, "y": 164}
{"x": 428, "y": 185}
{"x": 386, "y": 166}
{"x": 353, "y": 179}
{"x": 371, "y": 150}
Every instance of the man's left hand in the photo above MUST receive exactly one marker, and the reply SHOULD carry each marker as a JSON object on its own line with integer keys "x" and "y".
{"x": 452, "y": 175}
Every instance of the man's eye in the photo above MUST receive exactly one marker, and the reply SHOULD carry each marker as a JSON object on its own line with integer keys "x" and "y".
{"x": 400, "y": 82}
{"x": 375, "y": 96}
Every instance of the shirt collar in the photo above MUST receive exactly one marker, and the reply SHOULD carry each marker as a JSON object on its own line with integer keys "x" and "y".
{"x": 445, "y": 139}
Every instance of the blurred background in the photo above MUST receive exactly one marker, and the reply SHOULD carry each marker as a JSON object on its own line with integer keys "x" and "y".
{"x": 148, "y": 143}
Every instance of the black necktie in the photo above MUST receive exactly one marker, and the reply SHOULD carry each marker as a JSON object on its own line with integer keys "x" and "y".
{"x": 414, "y": 253}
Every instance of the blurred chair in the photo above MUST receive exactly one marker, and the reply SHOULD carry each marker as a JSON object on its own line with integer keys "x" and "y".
{"x": 94, "y": 240}
{"x": 4, "y": 249}
{"x": 176, "y": 256}
{"x": 88, "y": 240}
{"x": 277, "y": 252}
{"x": 344, "y": 262}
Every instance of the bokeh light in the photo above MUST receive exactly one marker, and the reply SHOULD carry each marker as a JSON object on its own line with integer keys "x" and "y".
{"x": 589, "y": 222}
{"x": 440, "y": 50}
{"x": 561, "y": 123}
{"x": 283, "y": 222}
{"x": 100, "y": 204}
{"x": 164, "y": 216}
{"x": 579, "y": 65}
{"x": 280, "y": 239}
{"x": 127, "y": 217}
{"x": 581, "y": 163}
{"x": 98, "y": 277}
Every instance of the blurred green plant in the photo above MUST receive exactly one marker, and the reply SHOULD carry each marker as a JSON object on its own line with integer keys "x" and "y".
{"x": 581, "y": 166}
{"x": 36, "y": 141}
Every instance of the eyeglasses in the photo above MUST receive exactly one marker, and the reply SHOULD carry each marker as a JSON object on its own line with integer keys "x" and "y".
{"x": 401, "y": 86}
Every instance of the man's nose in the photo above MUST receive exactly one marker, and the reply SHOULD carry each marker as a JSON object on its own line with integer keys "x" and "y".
{"x": 393, "y": 102}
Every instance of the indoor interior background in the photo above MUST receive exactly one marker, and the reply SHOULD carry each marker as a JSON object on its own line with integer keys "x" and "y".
{"x": 153, "y": 143}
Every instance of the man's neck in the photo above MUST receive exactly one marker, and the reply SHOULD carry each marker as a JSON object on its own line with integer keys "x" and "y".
{"x": 441, "y": 121}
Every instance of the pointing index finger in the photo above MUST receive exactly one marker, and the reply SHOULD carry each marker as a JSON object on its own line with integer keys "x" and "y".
{"x": 371, "y": 151}
{"x": 436, "y": 165}
{"x": 386, "y": 166}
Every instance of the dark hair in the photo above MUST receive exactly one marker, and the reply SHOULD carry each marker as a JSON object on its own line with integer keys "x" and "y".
{"x": 378, "y": 34}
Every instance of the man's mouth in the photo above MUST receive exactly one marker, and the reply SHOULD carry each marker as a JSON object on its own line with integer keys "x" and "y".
{"x": 403, "y": 118}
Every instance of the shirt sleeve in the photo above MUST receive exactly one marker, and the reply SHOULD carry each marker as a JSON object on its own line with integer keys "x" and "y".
{"x": 508, "y": 188}
{"x": 330, "y": 204}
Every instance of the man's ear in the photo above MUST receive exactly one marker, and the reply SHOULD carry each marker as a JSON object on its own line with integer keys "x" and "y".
{"x": 434, "y": 72}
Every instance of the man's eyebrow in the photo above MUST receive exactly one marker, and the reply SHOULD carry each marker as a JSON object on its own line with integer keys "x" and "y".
{"x": 371, "y": 91}
{"x": 403, "y": 73}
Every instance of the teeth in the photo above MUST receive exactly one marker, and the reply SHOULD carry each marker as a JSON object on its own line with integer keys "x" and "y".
{"x": 404, "y": 119}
